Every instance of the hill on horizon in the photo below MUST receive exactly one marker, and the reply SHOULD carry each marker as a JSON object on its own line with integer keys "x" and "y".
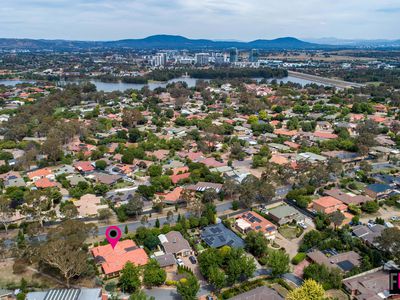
{"x": 160, "y": 42}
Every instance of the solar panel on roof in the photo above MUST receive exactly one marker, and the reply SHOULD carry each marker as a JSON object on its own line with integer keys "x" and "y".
{"x": 257, "y": 220}
{"x": 345, "y": 265}
{"x": 221, "y": 238}
{"x": 131, "y": 248}
{"x": 70, "y": 294}
{"x": 258, "y": 227}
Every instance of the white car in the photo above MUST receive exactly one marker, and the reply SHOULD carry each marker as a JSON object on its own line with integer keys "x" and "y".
{"x": 395, "y": 218}
{"x": 302, "y": 224}
{"x": 180, "y": 262}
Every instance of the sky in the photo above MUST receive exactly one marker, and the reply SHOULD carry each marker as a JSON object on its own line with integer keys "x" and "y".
{"x": 243, "y": 20}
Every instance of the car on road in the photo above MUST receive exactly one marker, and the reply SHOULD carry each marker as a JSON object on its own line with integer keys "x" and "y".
{"x": 192, "y": 259}
{"x": 180, "y": 262}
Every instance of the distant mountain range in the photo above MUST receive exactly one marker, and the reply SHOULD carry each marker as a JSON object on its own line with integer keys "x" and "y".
{"x": 180, "y": 42}
{"x": 379, "y": 43}
{"x": 159, "y": 42}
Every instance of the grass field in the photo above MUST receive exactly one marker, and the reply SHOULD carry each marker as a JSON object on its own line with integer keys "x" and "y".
{"x": 289, "y": 232}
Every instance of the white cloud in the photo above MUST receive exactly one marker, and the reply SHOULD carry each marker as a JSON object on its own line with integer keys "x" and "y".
{"x": 220, "y": 19}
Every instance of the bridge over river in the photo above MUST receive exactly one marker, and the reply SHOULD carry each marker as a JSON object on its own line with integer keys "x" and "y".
{"x": 326, "y": 81}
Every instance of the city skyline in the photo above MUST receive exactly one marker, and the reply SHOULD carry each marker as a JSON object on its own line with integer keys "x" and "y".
{"x": 227, "y": 19}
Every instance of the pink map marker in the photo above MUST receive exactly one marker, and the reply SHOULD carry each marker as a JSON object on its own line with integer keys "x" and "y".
{"x": 113, "y": 234}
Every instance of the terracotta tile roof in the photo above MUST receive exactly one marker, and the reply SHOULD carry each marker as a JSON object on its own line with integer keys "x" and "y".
{"x": 330, "y": 204}
{"x": 257, "y": 222}
{"x": 84, "y": 166}
{"x": 325, "y": 135}
{"x": 44, "y": 183}
{"x": 113, "y": 260}
{"x": 292, "y": 145}
{"x": 175, "y": 178}
{"x": 180, "y": 170}
{"x": 279, "y": 160}
{"x": 285, "y": 132}
{"x": 173, "y": 196}
{"x": 212, "y": 162}
{"x": 39, "y": 173}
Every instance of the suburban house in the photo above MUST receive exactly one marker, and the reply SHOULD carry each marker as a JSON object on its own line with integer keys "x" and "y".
{"x": 174, "y": 243}
{"x": 171, "y": 197}
{"x": 89, "y": 205}
{"x": 260, "y": 293}
{"x": 112, "y": 261}
{"x": 347, "y": 198}
{"x": 202, "y": 186}
{"x": 343, "y": 261}
{"x": 84, "y": 166}
{"x": 218, "y": 235}
{"x": 368, "y": 233}
{"x": 285, "y": 214}
{"x": 328, "y": 205}
{"x": 251, "y": 220}
{"x": 40, "y": 174}
{"x": 378, "y": 190}
{"x": 371, "y": 285}
{"x": 165, "y": 260}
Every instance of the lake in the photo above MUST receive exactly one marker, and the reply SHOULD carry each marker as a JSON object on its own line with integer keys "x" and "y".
{"x": 122, "y": 86}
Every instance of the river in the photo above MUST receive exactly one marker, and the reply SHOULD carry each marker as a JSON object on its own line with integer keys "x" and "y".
{"x": 122, "y": 86}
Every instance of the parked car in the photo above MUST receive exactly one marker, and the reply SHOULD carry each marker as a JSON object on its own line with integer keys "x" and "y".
{"x": 192, "y": 259}
{"x": 180, "y": 262}
{"x": 395, "y": 218}
{"x": 302, "y": 224}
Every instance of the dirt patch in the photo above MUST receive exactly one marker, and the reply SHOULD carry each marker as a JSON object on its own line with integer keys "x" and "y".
{"x": 8, "y": 278}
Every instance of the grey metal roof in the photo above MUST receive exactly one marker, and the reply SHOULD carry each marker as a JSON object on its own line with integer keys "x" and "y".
{"x": 218, "y": 235}
{"x": 66, "y": 294}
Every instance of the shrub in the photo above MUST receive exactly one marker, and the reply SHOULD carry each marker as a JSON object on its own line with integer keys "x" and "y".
{"x": 171, "y": 282}
{"x": 298, "y": 258}
{"x": 19, "y": 266}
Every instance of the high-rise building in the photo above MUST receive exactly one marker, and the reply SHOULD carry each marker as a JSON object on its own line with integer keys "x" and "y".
{"x": 202, "y": 59}
{"x": 254, "y": 55}
{"x": 233, "y": 55}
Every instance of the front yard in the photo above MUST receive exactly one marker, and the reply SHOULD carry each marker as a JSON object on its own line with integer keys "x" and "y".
{"x": 290, "y": 232}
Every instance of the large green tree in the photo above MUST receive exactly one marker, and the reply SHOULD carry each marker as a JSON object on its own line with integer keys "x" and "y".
{"x": 188, "y": 287}
{"x": 129, "y": 281}
{"x": 153, "y": 274}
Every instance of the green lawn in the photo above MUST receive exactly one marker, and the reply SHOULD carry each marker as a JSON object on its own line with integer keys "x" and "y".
{"x": 289, "y": 232}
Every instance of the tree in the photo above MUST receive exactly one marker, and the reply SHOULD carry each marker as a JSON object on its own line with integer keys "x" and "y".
{"x": 157, "y": 224}
{"x": 69, "y": 210}
{"x": 193, "y": 203}
{"x": 230, "y": 187}
{"x": 256, "y": 243}
{"x": 330, "y": 278}
{"x": 278, "y": 261}
{"x": 64, "y": 248}
{"x": 129, "y": 281}
{"x": 6, "y": 213}
{"x": 155, "y": 170}
{"x": 309, "y": 290}
{"x": 217, "y": 278}
{"x": 105, "y": 214}
{"x": 153, "y": 274}
{"x": 389, "y": 241}
{"x": 140, "y": 295}
{"x": 188, "y": 287}
{"x": 38, "y": 204}
{"x": 131, "y": 117}
{"x": 209, "y": 195}
{"x": 370, "y": 207}
{"x": 101, "y": 164}
{"x": 134, "y": 207}
{"x": 337, "y": 218}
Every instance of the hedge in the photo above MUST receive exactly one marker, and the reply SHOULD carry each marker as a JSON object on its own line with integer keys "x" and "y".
{"x": 298, "y": 258}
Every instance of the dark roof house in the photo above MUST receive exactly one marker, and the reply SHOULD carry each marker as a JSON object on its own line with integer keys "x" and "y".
{"x": 218, "y": 235}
